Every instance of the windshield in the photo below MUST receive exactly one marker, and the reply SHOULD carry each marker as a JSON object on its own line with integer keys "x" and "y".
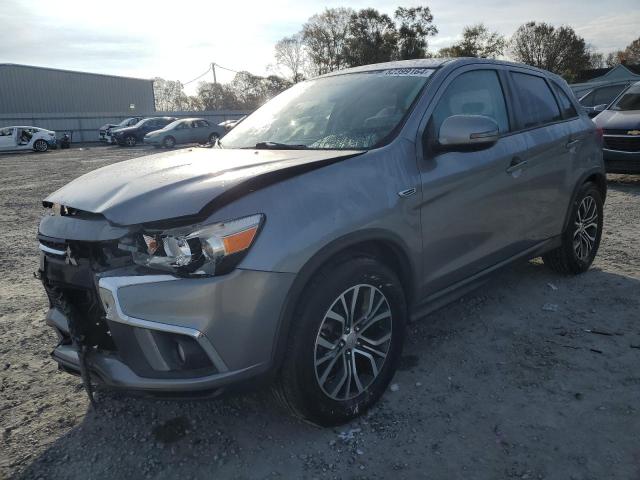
{"x": 351, "y": 111}
{"x": 173, "y": 124}
{"x": 629, "y": 100}
{"x": 125, "y": 122}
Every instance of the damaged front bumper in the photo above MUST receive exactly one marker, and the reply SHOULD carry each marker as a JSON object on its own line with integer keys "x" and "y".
{"x": 160, "y": 333}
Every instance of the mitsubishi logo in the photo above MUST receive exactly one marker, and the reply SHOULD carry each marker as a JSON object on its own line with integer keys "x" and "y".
{"x": 68, "y": 259}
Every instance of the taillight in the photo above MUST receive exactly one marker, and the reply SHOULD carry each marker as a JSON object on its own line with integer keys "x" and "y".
{"x": 600, "y": 134}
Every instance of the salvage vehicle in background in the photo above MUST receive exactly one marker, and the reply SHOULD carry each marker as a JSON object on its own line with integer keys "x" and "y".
{"x": 104, "y": 133}
{"x": 620, "y": 124}
{"x": 596, "y": 100}
{"x": 231, "y": 124}
{"x": 131, "y": 136}
{"x": 301, "y": 246}
{"x": 184, "y": 130}
{"x": 27, "y": 138}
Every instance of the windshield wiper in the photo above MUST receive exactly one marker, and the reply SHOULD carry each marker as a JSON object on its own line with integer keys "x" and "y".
{"x": 278, "y": 146}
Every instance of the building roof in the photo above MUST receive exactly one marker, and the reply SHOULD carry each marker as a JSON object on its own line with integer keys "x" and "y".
{"x": 50, "y": 69}
{"x": 596, "y": 74}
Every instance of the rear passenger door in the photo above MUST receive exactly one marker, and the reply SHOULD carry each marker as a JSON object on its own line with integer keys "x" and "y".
{"x": 547, "y": 162}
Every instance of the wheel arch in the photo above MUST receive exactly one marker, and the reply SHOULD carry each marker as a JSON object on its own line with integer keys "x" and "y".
{"x": 595, "y": 176}
{"x": 385, "y": 246}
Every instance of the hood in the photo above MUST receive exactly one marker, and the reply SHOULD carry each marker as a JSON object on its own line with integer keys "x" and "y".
{"x": 615, "y": 120}
{"x": 124, "y": 129}
{"x": 184, "y": 183}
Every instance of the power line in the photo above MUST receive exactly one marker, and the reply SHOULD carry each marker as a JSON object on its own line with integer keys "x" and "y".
{"x": 225, "y": 68}
{"x": 212, "y": 68}
{"x": 198, "y": 77}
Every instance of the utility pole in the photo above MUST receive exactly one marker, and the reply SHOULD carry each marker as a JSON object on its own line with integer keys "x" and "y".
{"x": 213, "y": 69}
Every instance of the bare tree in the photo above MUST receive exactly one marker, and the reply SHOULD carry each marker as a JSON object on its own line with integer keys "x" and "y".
{"x": 558, "y": 50}
{"x": 325, "y": 36}
{"x": 290, "y": 54}
{"x": 477, "y": 41}
{"x": 372, "y": 38}
{"x": 415, "y": 26}
{"x": 630, "y": 55}
{"x": 169, "y": 95}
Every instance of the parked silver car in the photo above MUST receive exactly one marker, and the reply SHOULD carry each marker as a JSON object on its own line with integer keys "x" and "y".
{"x": 185, "y": 130}
{"x": 324, "y": 222}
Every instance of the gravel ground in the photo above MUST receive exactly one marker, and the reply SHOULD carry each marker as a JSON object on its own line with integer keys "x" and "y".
{"x": 532, "y": 376}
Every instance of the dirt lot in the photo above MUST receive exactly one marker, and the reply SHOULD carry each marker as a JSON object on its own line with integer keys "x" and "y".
{"x": 492, "y": 387}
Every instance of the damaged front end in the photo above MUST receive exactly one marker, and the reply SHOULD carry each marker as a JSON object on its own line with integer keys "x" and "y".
{"x": 83, "y": 268}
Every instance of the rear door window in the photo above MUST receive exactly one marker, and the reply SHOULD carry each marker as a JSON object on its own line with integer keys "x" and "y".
{"x": 566, "y": 106}
{"x": 537, "y": 104}
{"x": 473, "y": 93}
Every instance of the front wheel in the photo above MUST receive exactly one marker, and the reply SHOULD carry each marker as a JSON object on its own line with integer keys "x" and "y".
{"x": 581, "y": 239}
{"x": 40, "y": 146}
{"x": 213, "y": 138}
{"x": 169, "y": 142}
{"x": 130, "y": 141}
{"x": 345, "y": 342}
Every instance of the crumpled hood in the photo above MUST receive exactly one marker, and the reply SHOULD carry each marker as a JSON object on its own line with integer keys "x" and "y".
{"x": 614, "y": 120}
{"x": 185, "y": 182}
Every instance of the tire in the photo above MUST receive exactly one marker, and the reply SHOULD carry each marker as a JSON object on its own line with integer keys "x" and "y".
{"x": 325, "y": 377}
{"x": 585, "y": 224}
{"x": 169, "y": 142}
{"x": 213, "y": 138}
{"x": 40, "y": 146}
{"x": 130, "y": 141}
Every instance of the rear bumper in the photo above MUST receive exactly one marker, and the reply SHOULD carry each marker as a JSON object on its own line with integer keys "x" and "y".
{"x": 233, "y": 319}
{"x": 621, "y": 162}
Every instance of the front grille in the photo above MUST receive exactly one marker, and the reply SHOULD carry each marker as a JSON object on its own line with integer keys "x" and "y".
{"x": 622, "y": 143}
{"x": 613, "y": 131}
{"x": 83, "y": 307}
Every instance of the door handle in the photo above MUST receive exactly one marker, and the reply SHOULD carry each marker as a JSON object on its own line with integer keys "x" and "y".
{"x": 572, "y": 143}
{"x": 516, "y": 164}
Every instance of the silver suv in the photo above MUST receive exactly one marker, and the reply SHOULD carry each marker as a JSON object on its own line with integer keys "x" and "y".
{"x": 303, "y": 243}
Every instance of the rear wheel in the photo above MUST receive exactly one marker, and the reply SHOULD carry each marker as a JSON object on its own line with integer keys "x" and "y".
{"x": 581, "y": 239}
{"x": 40, "y": 146}
{"x": 345, "y": 343}
{"x": 169, "y": 142}
{"x": 130, "y": 141}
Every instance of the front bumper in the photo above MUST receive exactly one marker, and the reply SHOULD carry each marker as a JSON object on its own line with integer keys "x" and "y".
{"x": 233, "y": 319}
{"x": 617, "y": 161}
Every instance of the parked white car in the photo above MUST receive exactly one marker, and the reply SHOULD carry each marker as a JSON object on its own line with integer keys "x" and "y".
{"x": 27, "y": 138}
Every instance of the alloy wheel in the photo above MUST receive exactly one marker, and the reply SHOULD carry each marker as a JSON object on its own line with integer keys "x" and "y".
{"x": 353, "y": 342}
{"x": 130, "y": 141}
{"x": 40, "y": 145}
{"x": 586, "y": 228}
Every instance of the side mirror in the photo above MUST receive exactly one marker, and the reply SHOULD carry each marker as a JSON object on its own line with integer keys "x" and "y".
{"x": 595, "y": 110}
{"x": 468, "y": 131}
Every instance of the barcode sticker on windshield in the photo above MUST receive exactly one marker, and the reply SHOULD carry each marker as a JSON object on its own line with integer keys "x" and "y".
{"x": 409, "y": 72}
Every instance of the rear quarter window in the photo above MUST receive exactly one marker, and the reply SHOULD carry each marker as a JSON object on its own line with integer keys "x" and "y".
{"x": 566, "y": 105}
{"x": 537, "y": 104}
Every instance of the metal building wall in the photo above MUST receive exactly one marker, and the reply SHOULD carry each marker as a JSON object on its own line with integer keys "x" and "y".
{"x": 26, "y": 89}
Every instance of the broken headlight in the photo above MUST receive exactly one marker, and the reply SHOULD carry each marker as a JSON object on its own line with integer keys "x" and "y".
{"x": 202, "y": 250}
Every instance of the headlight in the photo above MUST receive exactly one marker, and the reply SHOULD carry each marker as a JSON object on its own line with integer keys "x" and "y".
{"x": 202, "y": 250}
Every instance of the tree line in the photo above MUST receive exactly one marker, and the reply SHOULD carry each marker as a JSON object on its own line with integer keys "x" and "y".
{"x": 341, "y": 38}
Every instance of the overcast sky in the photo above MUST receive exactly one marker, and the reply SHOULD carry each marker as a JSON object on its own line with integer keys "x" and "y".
{"x": 178, "y": 39}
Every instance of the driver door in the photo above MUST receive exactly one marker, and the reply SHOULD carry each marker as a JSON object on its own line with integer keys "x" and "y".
{"x": 469, "y": 217}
